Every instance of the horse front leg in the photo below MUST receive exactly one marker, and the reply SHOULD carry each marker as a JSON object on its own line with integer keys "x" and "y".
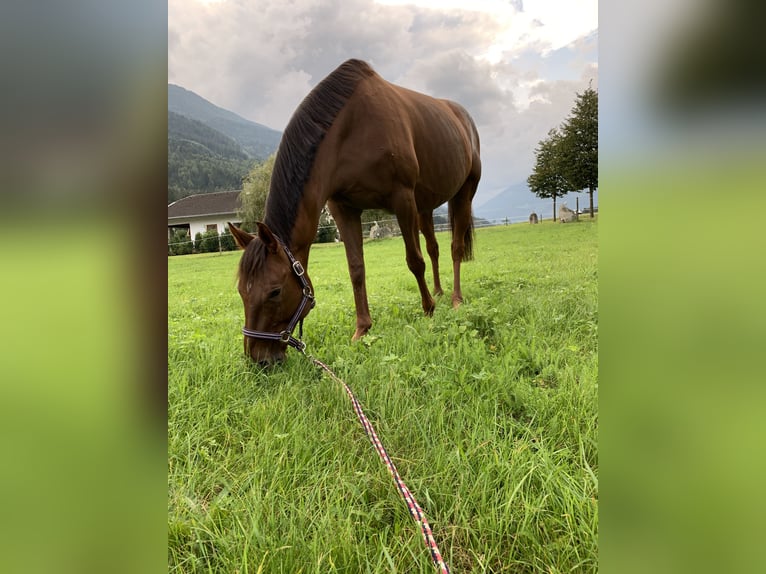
{"x": 349, "y": 222}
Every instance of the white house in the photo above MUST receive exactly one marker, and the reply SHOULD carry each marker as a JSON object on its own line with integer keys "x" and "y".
{"x": 203, "y": 212}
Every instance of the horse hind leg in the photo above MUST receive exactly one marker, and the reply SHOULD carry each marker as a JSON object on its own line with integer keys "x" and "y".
{"x": 461, "y": 222}
{"x": 426, "y": 219}
{"x": 407, "y": 215}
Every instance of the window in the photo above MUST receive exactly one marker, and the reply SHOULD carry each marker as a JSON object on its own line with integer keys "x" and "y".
{"x": 211, "y": 227}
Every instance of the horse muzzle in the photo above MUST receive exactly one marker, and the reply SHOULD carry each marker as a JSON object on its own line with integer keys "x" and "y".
{"x": 265, "y": 353}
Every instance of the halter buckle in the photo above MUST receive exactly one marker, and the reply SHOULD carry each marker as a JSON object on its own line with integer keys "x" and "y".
{"x": 298, "y": 268}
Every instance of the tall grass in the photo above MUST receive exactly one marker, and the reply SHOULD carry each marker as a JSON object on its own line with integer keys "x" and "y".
{"x": 489, "y": 412}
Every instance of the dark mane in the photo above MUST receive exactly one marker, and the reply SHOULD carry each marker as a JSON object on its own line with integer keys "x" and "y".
{"x": 300, "y": 141}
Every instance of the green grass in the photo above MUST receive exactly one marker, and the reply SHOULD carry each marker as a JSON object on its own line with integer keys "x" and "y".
{"x": 488, "y": 411}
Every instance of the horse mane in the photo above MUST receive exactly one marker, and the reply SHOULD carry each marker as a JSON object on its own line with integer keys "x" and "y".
{"x": 252, "y": 260}
{"x": 300, "y": 141}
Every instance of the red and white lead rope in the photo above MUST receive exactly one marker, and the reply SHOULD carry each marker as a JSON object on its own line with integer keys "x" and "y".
{"x": 412, "y": 504}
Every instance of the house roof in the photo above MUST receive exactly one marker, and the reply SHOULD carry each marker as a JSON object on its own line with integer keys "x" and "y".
{"x": 214, "y": 203}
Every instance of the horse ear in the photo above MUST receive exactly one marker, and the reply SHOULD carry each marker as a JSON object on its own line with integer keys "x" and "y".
{"x": 242, "y": 238}
{"x": 267, "y": 237}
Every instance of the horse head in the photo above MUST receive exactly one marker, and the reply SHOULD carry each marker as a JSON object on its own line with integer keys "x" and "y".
{"x": 276, "y": 292}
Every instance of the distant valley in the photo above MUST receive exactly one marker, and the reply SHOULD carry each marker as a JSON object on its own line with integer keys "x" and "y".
{"x": 516, "y": 202}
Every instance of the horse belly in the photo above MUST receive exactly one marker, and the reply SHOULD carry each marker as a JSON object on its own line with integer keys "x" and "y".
{"x": 368, "y": 173}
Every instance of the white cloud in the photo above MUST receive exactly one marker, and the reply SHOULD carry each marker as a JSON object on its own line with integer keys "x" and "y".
{"x": 550, "y": 25}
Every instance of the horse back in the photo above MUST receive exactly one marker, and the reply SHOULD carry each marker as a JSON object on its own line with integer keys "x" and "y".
{"x": 389, "y": 135}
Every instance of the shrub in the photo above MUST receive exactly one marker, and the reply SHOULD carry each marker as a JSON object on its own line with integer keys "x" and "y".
{"x": 179, "y": 243}
{"x": 227, "y": 242}
{"x": 208, "y": 241}
{"x": 326, "y": 234}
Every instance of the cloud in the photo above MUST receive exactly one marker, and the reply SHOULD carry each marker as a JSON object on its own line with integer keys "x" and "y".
{"x": 456, "y": 76}
{"x": 261, "y": 59}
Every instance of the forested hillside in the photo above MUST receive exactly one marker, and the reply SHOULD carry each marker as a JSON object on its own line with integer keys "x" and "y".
{"x": 210, "y": 148}
{"x": 201, "y": 159}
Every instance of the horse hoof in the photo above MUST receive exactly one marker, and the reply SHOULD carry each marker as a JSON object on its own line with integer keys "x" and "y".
{"x": 456, "y": 302}
{"x": 359, "y": 333}
{"x": 438, "y": 292}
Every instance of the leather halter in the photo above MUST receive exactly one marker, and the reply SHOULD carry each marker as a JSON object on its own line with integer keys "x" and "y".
{"x": 286, "y": 336}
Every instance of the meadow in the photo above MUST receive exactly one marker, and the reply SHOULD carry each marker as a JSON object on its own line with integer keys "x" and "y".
{"x": 489, "y": 412}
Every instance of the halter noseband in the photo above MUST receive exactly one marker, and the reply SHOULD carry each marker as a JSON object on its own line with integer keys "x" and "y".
{"x": 286, "y": 335}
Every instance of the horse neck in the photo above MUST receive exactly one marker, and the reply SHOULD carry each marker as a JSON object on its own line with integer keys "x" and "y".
{"x": 306, "y": 223}
{"x": 316, "y": 191}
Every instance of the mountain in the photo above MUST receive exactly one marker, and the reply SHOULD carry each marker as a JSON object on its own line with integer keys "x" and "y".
{"x": 210, "y": 148}
{"x": 201, "y": 159}
{"x": 194, "y": 137}
{"x": 516, "y": 202}
{"x": 257, "y": 140}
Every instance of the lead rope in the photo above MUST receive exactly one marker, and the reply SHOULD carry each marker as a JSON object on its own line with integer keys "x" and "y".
{"x": 298, "y": 344}
{"x": 412, "y": 504}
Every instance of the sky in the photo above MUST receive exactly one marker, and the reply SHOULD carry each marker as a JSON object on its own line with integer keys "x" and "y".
{"x": 515, "y": 65}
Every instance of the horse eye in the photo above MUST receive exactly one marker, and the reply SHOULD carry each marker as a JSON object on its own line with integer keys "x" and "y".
{"x": 275, "y": 293}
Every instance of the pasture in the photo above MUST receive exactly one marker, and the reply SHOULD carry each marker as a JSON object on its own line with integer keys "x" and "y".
{"x": 488, "y": 411}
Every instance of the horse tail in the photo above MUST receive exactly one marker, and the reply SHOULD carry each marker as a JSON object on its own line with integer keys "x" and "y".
{"x": 469, "y": 231}
{"x": 468, "y": 240}
{"x": 461, "y": 203}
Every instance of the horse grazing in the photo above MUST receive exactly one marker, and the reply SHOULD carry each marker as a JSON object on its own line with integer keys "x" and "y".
{"x": 356, "y": 142}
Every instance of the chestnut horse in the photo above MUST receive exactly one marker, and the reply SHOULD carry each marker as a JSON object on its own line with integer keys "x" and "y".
{"x": 356, "y": 142}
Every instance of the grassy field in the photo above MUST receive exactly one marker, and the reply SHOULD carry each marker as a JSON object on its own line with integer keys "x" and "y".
{"x": 488, "y": 411}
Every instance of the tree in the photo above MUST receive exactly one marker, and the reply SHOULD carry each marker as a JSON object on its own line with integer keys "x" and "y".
{"x": 547, "y": 179}
{"x": 579, "y": 149}
{"x": 255, "y": 189}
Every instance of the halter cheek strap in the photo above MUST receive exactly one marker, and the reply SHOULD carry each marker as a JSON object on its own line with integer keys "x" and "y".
{"x": 286, "y": 336}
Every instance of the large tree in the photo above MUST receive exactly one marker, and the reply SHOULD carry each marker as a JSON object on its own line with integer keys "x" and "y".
{"x": 255, "y": 189}
{"x": 547, "y": 179}
{"x": 579, "y": 149}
